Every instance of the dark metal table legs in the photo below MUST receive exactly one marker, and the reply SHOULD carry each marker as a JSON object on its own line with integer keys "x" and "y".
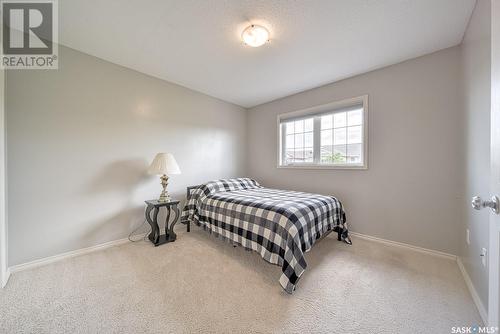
{"x": 154, "y": 236}
{"x": 169, "y": 235}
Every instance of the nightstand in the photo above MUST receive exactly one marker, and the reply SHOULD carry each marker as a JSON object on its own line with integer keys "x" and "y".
{"x": 155, "y": 237}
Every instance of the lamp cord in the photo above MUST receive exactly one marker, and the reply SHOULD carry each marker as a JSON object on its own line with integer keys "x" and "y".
{"x": 132, "y": 233}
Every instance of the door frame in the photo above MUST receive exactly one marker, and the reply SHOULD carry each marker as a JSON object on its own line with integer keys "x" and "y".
{"x": 4, "y": 270}
{"x": 494, "y": 222}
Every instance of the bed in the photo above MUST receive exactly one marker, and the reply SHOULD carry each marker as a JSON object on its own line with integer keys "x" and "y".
{"x": 280, "y": 225}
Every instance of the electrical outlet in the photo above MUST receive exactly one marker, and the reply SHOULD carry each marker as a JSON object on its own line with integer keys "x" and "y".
{"x": 467, "y": 236}
{"x": 484, "y": 254}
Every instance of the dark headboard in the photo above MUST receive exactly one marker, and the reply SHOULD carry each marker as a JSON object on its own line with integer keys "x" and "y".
{"x": 191, "y": 188}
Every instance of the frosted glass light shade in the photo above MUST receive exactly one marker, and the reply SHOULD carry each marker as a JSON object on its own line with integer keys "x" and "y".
{"x": 164, "y": 163}
{"x": 255, "y": 35}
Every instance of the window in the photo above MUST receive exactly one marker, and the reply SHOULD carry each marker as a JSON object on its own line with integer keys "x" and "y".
{"x": 333, "y": 135}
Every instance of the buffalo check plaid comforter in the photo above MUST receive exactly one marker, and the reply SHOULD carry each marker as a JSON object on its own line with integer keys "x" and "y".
{"x": 280, "y": 225}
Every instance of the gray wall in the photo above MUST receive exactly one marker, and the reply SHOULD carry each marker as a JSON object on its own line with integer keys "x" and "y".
{"x": 476, "y": 53}
{"x": 413, "y": 189}
{"x": 79, "y": 141}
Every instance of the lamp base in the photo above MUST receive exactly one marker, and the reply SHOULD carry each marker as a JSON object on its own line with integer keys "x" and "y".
{"x": 164, "y": 196}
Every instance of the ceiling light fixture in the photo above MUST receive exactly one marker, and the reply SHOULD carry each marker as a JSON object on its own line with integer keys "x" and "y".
{"x": 255, "y": 35}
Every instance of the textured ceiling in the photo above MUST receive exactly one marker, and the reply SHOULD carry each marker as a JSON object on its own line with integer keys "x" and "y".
{"x": 196, "y": 43}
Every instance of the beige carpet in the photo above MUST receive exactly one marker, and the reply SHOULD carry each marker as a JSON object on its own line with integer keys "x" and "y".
{"x": 200, "y": 284}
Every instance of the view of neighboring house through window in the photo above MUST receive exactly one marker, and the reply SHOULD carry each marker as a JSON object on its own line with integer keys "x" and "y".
{"x": 332, "y": 135}
{"x": 299, "y": 140}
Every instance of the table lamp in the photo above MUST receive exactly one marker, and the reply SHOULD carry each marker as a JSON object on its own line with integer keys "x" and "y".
{"x": 164, "y": 164}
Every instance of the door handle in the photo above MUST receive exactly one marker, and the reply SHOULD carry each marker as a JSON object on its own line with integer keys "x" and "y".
{"x": 493, "y": 204}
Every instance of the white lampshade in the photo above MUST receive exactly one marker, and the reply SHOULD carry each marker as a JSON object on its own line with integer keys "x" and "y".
{"x": 164, "y": 163}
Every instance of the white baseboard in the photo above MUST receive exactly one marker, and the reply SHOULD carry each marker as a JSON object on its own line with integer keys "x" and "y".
{"x": 59, "y": 257}
{"x": 403, "y": 245}
{"x": 473, "y": 292}
{"x": 468, "y": 281}
{"x": 5, "y": 277}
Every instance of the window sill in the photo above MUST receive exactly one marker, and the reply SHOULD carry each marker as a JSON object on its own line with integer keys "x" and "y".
{"x": 351, "y": 167}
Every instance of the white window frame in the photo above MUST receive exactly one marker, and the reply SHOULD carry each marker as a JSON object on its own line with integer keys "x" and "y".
{"x": 324, "y": 108}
